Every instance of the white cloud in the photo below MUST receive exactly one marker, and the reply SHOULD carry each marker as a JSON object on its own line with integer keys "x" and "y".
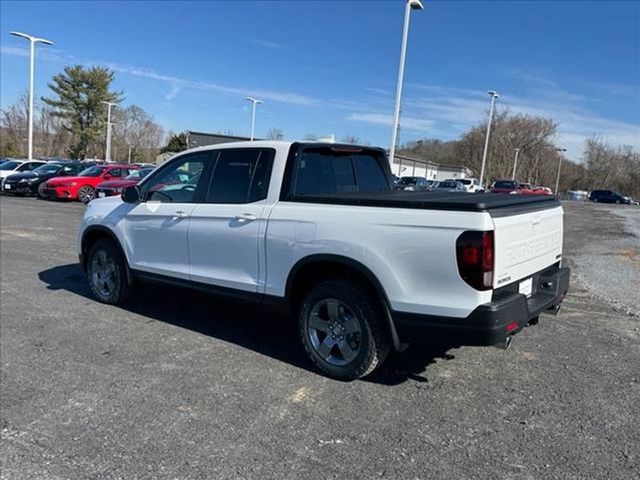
{"x": 409, "y": 123}
{"x": 176, "y": 83}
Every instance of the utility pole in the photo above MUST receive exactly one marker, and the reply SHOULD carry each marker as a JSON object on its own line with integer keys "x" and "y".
{"x": 32, "y": 53}
{"x": 494, "y": 96}
{"x": 410, "y": 5}
{"x": 107, "y": 154}
{"x": 561, "y": 150}
{"x": 515, "y": 164}
{"x": 129, "y": 158}
{"x": 255, "y": 102}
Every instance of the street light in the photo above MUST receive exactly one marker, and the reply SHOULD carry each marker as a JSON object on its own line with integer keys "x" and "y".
{"x": 32, "y": 42}
{"x": 494, "y": 95}
{"x": 254, "y": 101}
{"x": 410, "y": 5}
{"x": 107, "y": 154}
{"x": 515, "y": 164}
{"x": 561, "y": 150}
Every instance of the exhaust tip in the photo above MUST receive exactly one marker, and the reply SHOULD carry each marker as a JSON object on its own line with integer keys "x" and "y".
{"x": 505, "y": 344}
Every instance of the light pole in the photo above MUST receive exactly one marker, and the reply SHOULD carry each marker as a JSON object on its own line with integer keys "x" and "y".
{"x": 561, "y": 150}
{"x": 32, "y": 49}
{"x": 515, "y": 164}
{"x": 410, "y": 5}
{"x": 254, "y": 101}
{"x": 129, "y": 158}
{"x": 107, "y": 154}
{"x": 494, "y": 95}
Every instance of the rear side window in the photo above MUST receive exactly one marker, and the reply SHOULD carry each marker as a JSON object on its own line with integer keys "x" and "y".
{"x": 240, "y": 176}
{"x": 325, "y": 170}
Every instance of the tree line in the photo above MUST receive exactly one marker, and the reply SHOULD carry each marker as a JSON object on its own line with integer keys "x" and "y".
{"x": 72, "y": 122}
{"x": 603, "y": 165}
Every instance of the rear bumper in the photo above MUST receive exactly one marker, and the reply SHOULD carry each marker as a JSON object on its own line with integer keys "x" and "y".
{"x": 489, "y": 324}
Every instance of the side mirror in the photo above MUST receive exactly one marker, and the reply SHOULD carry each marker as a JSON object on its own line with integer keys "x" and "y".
{"x": 130, "y": 194}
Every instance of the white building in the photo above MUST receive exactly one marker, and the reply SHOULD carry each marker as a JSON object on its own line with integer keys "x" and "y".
{"x": 416, "y": 167}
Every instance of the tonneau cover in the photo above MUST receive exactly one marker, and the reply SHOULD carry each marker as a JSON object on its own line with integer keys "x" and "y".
{"x": 496, "y": 203}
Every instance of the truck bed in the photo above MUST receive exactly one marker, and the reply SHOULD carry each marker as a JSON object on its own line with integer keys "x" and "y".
{"x": 496, "y": 203}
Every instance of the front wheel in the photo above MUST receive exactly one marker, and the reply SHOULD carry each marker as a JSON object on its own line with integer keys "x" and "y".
{"x": 107, "y": 272}
{"x": 86, "y": 194}
{"x": 342, "y": 330}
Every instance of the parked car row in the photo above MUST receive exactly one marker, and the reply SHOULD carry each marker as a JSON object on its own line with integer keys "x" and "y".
{"x": 70, "y": 180}
{"x": 421, "y": 184}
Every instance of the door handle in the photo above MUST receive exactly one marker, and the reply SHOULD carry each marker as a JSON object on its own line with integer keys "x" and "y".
{"x": 246, "y": 217}
{"x": 180, "y": 214}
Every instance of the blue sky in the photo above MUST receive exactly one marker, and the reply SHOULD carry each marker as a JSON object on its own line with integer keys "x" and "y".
{"x": 330, "y": 67}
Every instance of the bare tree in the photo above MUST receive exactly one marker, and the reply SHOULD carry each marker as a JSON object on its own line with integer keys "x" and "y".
{"x": 275, "y": 134}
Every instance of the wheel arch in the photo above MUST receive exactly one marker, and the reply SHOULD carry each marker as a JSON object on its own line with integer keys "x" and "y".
{"x": 313, "y": 269}
{"x": 94, "y": 233}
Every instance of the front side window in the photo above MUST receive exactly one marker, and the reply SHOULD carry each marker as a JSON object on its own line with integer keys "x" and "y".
{"x": 178, "y": 181}
{"x": 334, "y": 170}
{"x": 240, "y": 176}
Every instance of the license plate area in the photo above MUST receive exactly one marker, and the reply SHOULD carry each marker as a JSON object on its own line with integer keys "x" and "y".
{"x": 101, "y": 195}
{"x": 525, "y": 287}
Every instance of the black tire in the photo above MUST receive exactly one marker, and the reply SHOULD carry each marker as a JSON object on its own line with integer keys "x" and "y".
{"x": 86, "y": 194}
{"x": 369, "y": 346}
{"x": 113, "y": 287}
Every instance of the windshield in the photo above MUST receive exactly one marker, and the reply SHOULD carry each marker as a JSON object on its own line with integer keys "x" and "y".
{"x": 10, "y": 165}
{"x": 505, "y": 184}
{"x": 92, "y": 171}
{"x": 136, "y": 174}
{"x": 48, "y": 168}
{"x": 447, "y": 185}
{"x": 408, "y": 181}
{"x": 465, "y": 181}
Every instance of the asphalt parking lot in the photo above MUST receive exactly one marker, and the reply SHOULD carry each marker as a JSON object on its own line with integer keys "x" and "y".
{"x": 179, "y": 385}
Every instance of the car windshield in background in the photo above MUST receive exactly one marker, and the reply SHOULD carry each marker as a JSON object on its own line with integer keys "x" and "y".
{"x": 135, "y": 174}
{"x": 447, "y": 185}
{"x": 10, "y": 165}
{"x": 465, "y": 181}
{"x": 92, "y": 172}
{"x": 408, "y": 181}
{"x": 48, "y": 168}
{"x": 505, "y": 184}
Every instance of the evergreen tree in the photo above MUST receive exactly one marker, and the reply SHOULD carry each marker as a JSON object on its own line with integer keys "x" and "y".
{"x": 80, "y": 93}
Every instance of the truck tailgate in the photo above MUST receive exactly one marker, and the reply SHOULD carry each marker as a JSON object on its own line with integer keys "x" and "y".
{"x": 526, "y": 243}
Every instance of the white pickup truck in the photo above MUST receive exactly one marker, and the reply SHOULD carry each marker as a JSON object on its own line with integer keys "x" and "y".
{"x": 317, "y": 229}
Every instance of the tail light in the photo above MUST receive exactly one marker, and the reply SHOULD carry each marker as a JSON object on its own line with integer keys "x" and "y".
{"x": 474, "y": 251}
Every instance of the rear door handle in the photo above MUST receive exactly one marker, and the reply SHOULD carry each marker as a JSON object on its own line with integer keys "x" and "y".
{"x": 180, "y": 214}
{"x": 247, "y": 217}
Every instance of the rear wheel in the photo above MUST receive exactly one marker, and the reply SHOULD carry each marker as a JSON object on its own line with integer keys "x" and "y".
{"x": 107, "y": 272}
{"x": 86, "y": 194}
{"x": 342, "y": 330}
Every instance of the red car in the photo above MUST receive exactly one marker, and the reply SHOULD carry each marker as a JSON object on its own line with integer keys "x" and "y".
{"x": 115, "y": 187}
{"x": 512, "y": 186}
{"x": 83, "y": 187}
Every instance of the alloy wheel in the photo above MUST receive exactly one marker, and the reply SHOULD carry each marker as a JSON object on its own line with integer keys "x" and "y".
{"x": 334, "y": 331}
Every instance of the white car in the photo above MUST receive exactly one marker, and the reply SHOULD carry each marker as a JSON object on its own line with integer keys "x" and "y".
{"x": 17, "y": 166}
{"x": 317, "y": 230}
{"x": 470, "y": 184}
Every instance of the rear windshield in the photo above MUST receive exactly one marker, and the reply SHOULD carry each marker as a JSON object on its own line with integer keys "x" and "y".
{"x": 465, "y": 181}
{"x": 447, "y": 185}
{"x": 505, "y": 184}
{"x": 331, "y": 170}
